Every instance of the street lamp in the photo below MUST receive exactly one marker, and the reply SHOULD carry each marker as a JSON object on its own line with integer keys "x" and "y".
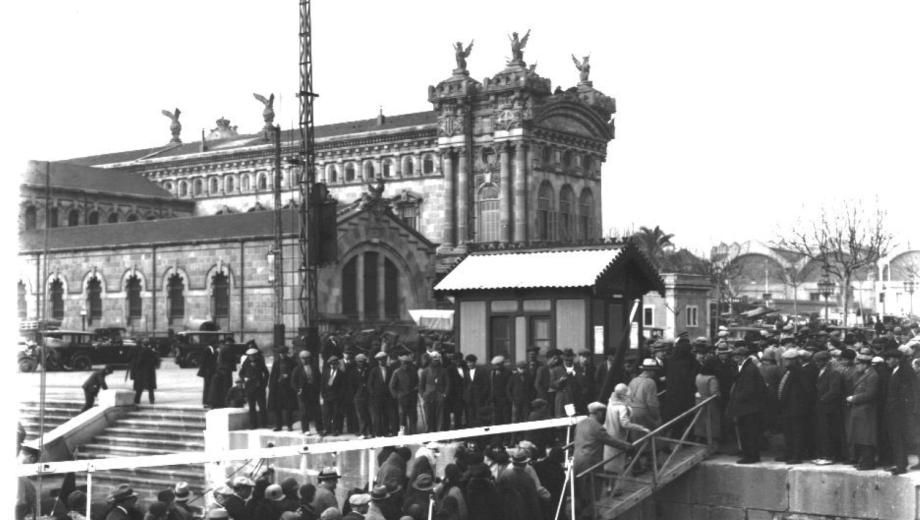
{"x": 909, "y": 286}
{"x": 826, "y": 287}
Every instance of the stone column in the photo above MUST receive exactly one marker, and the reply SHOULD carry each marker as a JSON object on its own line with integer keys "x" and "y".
{"x": 359, "y": 284}
{"x": 448, "y": 225}
{"x": 504, "y": 202}
{"x": 381, "y": 287}
{"x": 520, "y": 193}
{"x": 462, "y": 197}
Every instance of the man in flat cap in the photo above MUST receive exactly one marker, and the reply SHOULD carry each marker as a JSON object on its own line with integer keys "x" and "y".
{"x": 746, "y": 404}
{"x": 793, "y": 407}
{"x": 543, "y": 377}
{"x": 380, "y": 395}
{"x": 475, "y": 388}
{"x": 498, "y": 399}
{"x": 590, "y": 439}
{"x": 332, "y": 391}
{"x": 404, "y": 389}
{"x": 863, "y": 403}
{"x": 828, "y": 411}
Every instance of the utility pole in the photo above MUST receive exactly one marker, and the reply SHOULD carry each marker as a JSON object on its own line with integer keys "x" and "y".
{"x": 308, "y": 231}
{"x": 277, "y": 253}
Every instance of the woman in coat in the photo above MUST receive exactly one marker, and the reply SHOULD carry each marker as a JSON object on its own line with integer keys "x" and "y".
{"x": 144, "y": 371}
{"x": 617, "y": 424}
{"x": 863, "y": 406}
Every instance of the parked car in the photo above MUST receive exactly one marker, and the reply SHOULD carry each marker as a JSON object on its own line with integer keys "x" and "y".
{"x": 79, "y": 350}
{"x": 190, "y": 344}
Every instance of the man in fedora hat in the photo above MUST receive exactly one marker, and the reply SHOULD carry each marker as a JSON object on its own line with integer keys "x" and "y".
{"x": 828, "y": 411}
{"x": 379, "y": 378}
{"x": 183, "y": 494}
{"x": 325, "y": 491}
{"x": 746, "y": 404}
{"x": 793, "y": 408}
{"x": 645, "y": 407}
{"x": 518, "y": 490}
{"x": 122, "y": 500}
{"x": 564, "y": 380}
{"x": 900, "y": 404}
{"x": 240, "y": 490}
{"x": 378, "y": 496}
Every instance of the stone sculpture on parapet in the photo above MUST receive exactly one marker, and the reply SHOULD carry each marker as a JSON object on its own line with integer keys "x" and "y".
{"x": 461, "y": 55}
{"x": 175, "y": 127}
{"x": 268, "y": 112}
{"x": 517, "y": 48}
{"x": 584, "y": 69}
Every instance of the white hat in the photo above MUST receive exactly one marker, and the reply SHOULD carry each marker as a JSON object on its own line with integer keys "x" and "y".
{"x": 595, "y": 406}
{"x": 649, "y": 364}
{"x": 877, "y": 359}
{"x": 274, "y": 492}
{"x": 498, "y": 360}
{"x": 380, "y": 355}
{"x": 252, "y": 351}
{"x": 241, "y": 481}
{"x": 359, "y": 499}
{"x": 905, "y": 349}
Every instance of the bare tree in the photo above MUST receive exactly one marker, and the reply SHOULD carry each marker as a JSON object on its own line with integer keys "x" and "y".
{"x": 794, "y": 276}
{"x": 845, "y": 241}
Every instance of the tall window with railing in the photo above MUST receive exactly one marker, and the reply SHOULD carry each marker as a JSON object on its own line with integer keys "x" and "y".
{"x": 133, "y": 298}
{"x": 220, "y": 296}
{"x": 94, "y": 300}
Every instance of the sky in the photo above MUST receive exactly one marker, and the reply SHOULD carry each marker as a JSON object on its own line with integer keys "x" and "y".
{"x": 735, "y": 119}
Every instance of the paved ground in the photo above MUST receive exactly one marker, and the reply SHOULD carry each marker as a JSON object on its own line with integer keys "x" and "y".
{"x": 174, "y": 385}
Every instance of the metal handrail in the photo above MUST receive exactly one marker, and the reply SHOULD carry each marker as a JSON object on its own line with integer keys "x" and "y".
{"x": 653, "y": 433}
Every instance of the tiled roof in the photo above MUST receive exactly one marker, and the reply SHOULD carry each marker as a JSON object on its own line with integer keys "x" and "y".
{"x": 529, "y": 269}
{"x": 425, "y": 118}
{"x": 171, "y": 230}
{"x": 73, "y": 176}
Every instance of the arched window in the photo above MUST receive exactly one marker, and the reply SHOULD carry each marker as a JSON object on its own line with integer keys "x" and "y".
{"x": 332, "y": 174}
{"x": 428, "y": 165}
{"x": 73, "y": 218}
{"x": 387, "y": 168}
{"x": 409, "y": 214}
{"x": 349, "y": 172}
{"x": 488, "y": 216}
{"x": 214, "y": 188}
{"x": 53, "y": 218}
{"x": 93, "y": 218}
{"x": 369, "y": 171}
{"x": 175, "y": 293}
{"x": 545, "y": 212}
{"x": 198, "y": 187}
{"x": 113, "y": 218}
{"x": 586, "y": 214}
{"x": 229, "y": 184}
{"x": 547, "y": 155}
{"x": 134, "y": 302}
{"x": 93, "y": 300}
{"x": 21, "y": 306}
{"x": 31, "y": 218}
{"x": 56, "y": 297}
{"x": 408, "y": 169}
{"x": 220, "y": 296}
{"x": 567, "y": 158}
{"x": 566, "y": 214}
{"x": 390, "y": 290}
{"x": 131, "y": 217}
{"x": 244, "y": 182}
{"x": 263, "y": 182}
{"x": 183, "y": 189}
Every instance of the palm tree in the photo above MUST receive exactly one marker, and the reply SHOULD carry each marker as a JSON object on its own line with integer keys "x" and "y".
{"x": 653, "y": 242}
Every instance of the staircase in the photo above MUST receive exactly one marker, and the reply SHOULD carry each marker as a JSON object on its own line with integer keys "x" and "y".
{"x": 56, "y": 414}
{"x": 148, "y": 430}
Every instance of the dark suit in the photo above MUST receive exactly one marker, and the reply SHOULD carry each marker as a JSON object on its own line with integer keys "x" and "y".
{"x": 433, "y": 386}
{"x": 810, "y": 375}
{"x": 281, "y": 396}
{"x": 498, "y": 395}
{"x": 746, "y": 405}
{"x": 476, "y": 391}
{"x": 520, "y": 393}
{"x": 206, "y": 370}
{"x": 899, "y": 407}
{"x": 378, "y": 389}
{"x": 403, "y": 388}
{"x": 333, "y": 392}
{"x": 453, "y": 405}
{"x": 357, "y": 384}
{"x": 793, "y": 409}
{"x": 884, "y": 444}
{"x": 307, "y": 388}
{"x": 829, "y": 414}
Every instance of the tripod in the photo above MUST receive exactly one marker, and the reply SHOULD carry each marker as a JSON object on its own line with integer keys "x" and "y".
{"x": 569, "y": 474}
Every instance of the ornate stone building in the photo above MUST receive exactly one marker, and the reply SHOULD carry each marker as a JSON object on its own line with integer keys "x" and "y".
{"x": 507, "y": 159}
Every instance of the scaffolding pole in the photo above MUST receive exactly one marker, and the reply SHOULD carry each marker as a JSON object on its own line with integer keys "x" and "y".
{"x": 308, "y": 292}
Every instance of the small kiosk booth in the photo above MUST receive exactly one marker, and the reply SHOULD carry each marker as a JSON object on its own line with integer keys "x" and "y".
{"x": 507, "y": 301}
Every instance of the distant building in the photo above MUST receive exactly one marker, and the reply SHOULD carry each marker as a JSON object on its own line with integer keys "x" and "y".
{"x": 684, "y": 307}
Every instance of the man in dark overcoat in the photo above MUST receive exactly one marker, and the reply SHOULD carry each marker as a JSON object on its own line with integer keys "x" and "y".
{"x": 564, "y": 383}
{"x": 810, "y": 375}
{"x": 378, "y": 389}
{"x": 498, "y": 391}
{"x": 475, "y": 389}
{"x": 222, "y": 379}
{"x": 863, "y": 403}
{"x": 254, "y": 375}
{"x": 518, "y": 491}
{"x": 282, "y": 399}
{"x": 433, "y": 386}
{"x": 206, "y": 368}
{"x": 403, "y": 388}
{"x": 357, "y": 383}
{"x": 828, "y": 411}
{"x": 746, "y": 404}
{"x": 884, "y": 458}
{"x": 143, "y": 369}
{"x": 793, "y": 408}
{"x": 305, "y": 380}
{"x": 454, "y": 406}
{"x": 900, "y": 406}
{"x": 333, "y": 392}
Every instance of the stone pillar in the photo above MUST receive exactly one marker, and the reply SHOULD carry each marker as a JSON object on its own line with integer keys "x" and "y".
{"x": 520, "y": 193}
{"x": 381, "y": 287}
{"x": 359, "y": 285}
{"x": 463, "y": 174}
{"x": 447, "y": 238}
{"x": 504, "y": 201}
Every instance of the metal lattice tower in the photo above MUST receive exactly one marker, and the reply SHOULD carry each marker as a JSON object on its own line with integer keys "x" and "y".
{"x": 308, "y": 293}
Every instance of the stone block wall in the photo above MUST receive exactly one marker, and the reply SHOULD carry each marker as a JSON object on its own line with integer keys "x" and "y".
{"x": 720, "y": 489}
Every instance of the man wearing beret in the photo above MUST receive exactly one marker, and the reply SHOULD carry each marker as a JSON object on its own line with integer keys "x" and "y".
{"x": 863, "y": 403}
{"x": 746, "y": 404}
{"x": 828, "y": 411}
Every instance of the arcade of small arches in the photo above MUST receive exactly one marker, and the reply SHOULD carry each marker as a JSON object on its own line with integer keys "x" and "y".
{"x": 69, "y": 216}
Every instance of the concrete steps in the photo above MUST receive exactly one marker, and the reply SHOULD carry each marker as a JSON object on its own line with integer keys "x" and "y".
{"x": 149, "y": 430}
{"x": 56, "y": 414}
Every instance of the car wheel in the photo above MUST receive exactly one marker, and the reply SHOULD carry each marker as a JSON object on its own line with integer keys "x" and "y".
{"x": 81, "y": 363}
{"x": 26, "y": 365}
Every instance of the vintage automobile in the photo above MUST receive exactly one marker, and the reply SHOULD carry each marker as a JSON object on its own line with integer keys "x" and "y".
{"x": 75, "y": 350}
{"x": 190, "y": 344}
